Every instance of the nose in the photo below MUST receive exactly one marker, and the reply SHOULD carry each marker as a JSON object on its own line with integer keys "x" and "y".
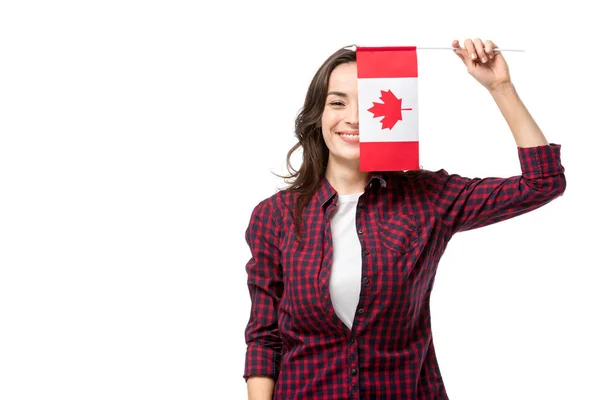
{"x": 352, "y": 118}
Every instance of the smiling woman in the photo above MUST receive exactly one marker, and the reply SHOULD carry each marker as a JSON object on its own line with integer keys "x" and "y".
{"x": 340, "y": 118}
{"x": 343, "y": 261}
{"x": 327, "y": 130}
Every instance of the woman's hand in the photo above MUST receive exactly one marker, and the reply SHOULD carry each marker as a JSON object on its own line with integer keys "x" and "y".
{"x": 487, "y": 66}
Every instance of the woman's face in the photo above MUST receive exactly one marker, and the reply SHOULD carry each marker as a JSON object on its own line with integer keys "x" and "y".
{"x": 339, "y": 122}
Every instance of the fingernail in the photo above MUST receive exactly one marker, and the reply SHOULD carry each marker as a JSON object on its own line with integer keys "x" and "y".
{"x": 484, "y": 59}
{"x": 473, "y": 56}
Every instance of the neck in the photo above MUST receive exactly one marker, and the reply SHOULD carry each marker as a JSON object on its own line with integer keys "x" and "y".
{"x": 346, "y": 178}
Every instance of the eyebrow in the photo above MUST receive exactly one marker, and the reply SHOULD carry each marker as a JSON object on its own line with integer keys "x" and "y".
{"x": 334, "y": 93}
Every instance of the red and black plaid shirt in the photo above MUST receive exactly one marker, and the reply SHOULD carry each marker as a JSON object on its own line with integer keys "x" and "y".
{"x": 294, "y": 334}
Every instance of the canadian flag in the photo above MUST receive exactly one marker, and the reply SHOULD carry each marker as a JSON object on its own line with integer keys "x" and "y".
{"x": 388, "y": 109}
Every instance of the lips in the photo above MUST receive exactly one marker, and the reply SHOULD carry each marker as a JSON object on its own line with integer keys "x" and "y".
{"x": 349, "y": 136}
{"x": 348, "y": 133}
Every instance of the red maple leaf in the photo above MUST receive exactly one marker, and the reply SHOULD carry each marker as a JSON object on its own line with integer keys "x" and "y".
{"x": 390, "y": 109}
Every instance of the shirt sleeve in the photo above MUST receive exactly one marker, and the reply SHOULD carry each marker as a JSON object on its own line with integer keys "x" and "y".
{"x": 465, "y": 203}
{"x": 265, "y": 283}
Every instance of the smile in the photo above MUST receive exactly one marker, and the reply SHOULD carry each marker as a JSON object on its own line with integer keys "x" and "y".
{"x": 349, "y": 136}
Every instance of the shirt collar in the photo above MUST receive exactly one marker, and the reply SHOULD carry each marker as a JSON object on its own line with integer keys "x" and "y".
{"x": 325, "y": 192}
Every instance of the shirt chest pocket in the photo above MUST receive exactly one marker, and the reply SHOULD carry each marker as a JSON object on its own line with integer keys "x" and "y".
{"x": 399, "y": 233}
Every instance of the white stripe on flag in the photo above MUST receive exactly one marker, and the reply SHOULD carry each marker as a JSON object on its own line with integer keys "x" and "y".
{"x": 369, "y": 92}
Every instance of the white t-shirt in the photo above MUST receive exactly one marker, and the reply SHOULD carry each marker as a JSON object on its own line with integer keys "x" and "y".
{"x": 344, "y": 284}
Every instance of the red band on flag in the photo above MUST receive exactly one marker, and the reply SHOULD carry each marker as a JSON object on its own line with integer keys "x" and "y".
{"x": 389, "y": 156}
{"x": 387, "y": 62}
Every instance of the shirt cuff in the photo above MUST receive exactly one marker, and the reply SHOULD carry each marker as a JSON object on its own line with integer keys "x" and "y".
{"x": 261, "y": 360}
{"x": 541, "y": 161}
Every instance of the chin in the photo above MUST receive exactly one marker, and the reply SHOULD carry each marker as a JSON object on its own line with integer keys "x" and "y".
{"x": 345, "y": 155}
{"x": 354, "y": 158}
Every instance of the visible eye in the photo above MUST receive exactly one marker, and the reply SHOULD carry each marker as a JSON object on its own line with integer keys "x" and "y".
{"x": 336, "y": 104}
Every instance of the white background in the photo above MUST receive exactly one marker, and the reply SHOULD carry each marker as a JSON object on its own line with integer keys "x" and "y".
{"x": 136, "y": 138}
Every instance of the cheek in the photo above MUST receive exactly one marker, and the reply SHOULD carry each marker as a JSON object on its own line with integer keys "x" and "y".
{"x": 328, "y": 121}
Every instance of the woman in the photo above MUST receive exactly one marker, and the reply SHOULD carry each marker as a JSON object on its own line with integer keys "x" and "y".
{"x": 343, "y": 261}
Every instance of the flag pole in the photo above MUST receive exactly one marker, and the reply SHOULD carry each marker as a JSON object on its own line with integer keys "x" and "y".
{"x": 453, "y": 48}
{"x": 353, "y": 48}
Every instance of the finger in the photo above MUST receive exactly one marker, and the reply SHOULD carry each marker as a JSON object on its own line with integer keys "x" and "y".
{"x": 471, "y": 49}
{"x": 489, "y": 48}
{"x": 480, "y": 50}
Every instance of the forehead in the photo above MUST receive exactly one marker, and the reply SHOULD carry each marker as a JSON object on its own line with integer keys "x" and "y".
{"x": 343, "y": 77}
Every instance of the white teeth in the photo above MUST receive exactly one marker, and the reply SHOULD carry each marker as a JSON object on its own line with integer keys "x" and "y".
{"x": 348, "y": 135}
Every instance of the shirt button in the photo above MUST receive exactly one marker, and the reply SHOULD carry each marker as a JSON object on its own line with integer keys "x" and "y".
{"x": 360, "y": 232}
{"x": 361, "y": 205}
{"x": 353, "y": 371}
{"x": 365, "y": 280}
{"x": 360, "y": 311}
{"x": 365, "y": 252}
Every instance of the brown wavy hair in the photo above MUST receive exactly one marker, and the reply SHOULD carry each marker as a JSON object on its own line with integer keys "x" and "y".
{"x": 305, "y": 181}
